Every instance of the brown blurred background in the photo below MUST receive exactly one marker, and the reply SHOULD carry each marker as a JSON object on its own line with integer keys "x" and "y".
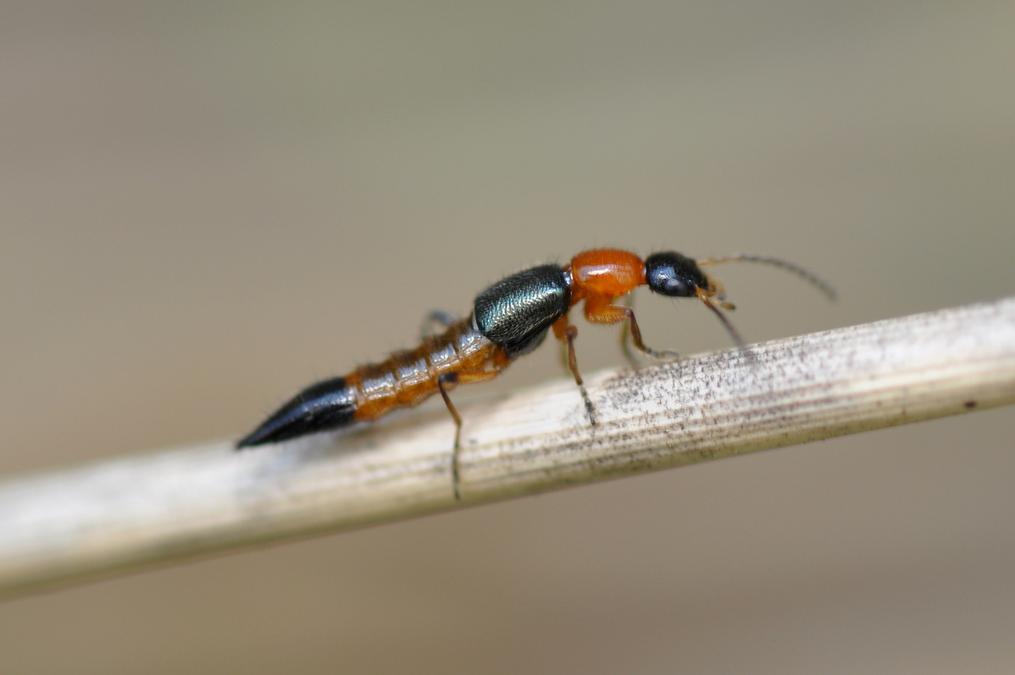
{"x": 204, "y": 206}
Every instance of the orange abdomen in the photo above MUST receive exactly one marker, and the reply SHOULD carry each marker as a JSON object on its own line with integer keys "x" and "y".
{"x": 407, "y": 378}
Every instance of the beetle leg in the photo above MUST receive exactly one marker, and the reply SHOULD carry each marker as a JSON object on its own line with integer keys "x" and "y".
{"x": 625, "y": 335}
{"x": 445, "y": 381}
{"x": 566, "y": 332}
{"x": 434, "y": 321}
{"x": 600, "y": 310}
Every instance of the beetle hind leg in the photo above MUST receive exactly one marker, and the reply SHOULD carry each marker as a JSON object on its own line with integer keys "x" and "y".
{"x": 445, "y": 382}
{"x": 434, "y": 321}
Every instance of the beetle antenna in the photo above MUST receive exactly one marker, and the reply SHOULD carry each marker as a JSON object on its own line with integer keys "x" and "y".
{"x": 734, "y": 333}
{"x": 727, "y": 324}
{"x": 804, "y": 274}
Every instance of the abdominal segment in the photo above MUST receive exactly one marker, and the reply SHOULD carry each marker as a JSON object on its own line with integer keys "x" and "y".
{"x": 460, "y": 354}
{"x": 329, "y": 404}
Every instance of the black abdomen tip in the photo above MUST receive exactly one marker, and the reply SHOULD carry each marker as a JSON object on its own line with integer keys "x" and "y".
{"x": 326, "y": 405}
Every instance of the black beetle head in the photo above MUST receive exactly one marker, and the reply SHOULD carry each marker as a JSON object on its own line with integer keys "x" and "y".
{"x": 673, "y": 274}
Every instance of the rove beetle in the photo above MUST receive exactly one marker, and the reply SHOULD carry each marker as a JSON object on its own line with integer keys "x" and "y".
{"x": 508, "y": 319}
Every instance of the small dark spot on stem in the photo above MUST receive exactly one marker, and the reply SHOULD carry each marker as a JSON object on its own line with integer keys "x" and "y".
{"x": 970, "y": 405}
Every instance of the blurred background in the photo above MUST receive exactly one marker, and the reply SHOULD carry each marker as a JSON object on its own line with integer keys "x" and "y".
{"x": 205, "y": 206}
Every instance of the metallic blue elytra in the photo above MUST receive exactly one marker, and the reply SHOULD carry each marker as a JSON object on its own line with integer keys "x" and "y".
{"x": 516, "y": 312}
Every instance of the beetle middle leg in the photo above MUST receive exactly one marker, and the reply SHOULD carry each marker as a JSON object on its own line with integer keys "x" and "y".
{"x": 565, "y": 331}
